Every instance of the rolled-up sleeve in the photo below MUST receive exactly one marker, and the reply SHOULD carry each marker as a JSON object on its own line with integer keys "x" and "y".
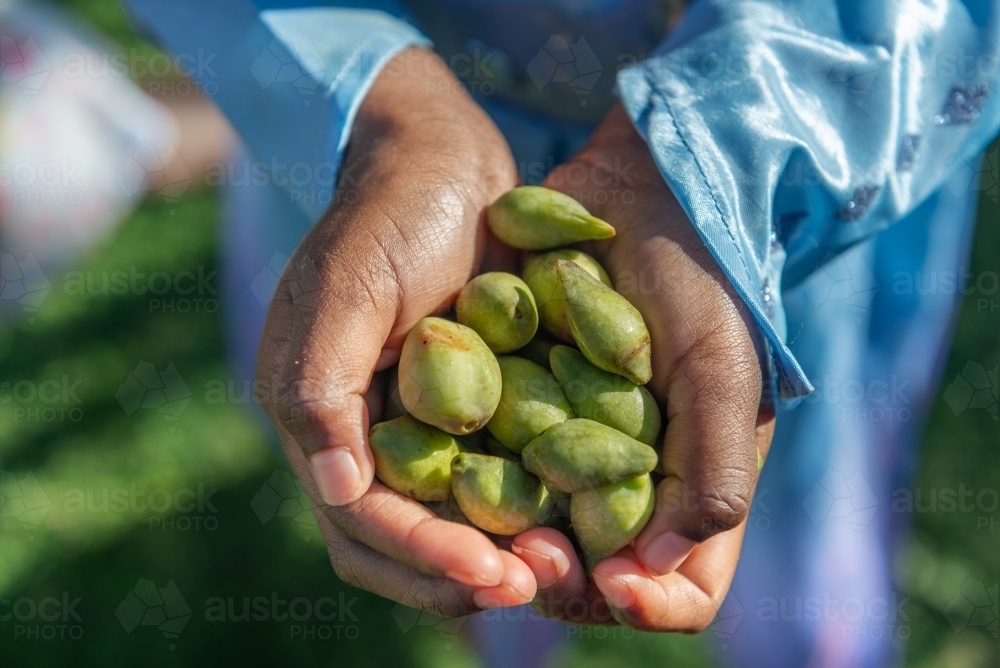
{"x": 791, "y": 131}
{"x": 289, "y": 78}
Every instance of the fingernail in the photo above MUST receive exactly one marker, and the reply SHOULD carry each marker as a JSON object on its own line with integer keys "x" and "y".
{"x": 472, "y": 579}
{"x": 617, "y": 592}
{"x": 543, "y": 566}
{"x": 485, "y": 598}
{"x": 525, "y": 596}
{"x": 666, "y": 553}
{"x": 337, "y": 475}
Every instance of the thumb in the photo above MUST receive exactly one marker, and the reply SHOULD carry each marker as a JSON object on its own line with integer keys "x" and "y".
{"x": 353, "y": 289}
{"x": 710, "y": 447}
{"x": 321, "y": 345}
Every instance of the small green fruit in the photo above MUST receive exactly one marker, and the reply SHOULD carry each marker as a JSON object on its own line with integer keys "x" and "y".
{"x": 393, "y": 404}
{"x": 498, "y": 449}
{"x": 536, "y": 218}
{"x": 579, "y": 455}
{"x": 605, "y": 397}
{"x": 537, "y": 350}
{"x": 540, "y": 275}
{"x": 499, "y": 496}
{"x": 606, "y": 519}
{"x": 608, "y": 329}
{"x": 473, "y": 442}
{"x": 448, "y": 377}
{"x": 413, "y": 458}
{"x": 448, "y": 509}
{"x": 561, "y": 499}
{"x": 500, "y": 308}
{"x": 531, "y": 401}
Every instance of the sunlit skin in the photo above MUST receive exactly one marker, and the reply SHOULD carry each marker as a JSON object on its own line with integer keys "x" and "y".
{"x": 423, "y": 164}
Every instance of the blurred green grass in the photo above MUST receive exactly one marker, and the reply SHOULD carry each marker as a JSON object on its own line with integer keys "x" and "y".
{"x": 230, "y": 549}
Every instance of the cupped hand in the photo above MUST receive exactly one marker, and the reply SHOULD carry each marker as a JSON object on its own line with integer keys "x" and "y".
{"x": 707, "y": 377}
{"x": 404, "y": 235}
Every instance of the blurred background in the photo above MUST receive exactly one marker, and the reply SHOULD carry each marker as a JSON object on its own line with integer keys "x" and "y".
{"x": 146, "y": 517}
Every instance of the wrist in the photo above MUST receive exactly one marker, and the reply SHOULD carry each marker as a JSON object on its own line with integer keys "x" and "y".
{"x": 414, "y": 89}
{"x": 418, "y": 114}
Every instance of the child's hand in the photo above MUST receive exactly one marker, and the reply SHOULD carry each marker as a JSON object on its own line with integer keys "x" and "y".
{"x": 707, "y": 376}
{"x": 423, "y": 163}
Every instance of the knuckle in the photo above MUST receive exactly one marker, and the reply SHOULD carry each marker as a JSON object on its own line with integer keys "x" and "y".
{"x": 688, "y": 611}
{"x": 719, "y": 511}
{"x": 347, "y": 575}
{"x": 705, "y": 611}
{"x": 368, "y": 281}
{"x": 307, "y": 409}
{"x": 437, "y": 598}
{"x": 699, "y": 623}
{"x": 344, "y": 568}
{"x": 266, "y": 377}
{"x": 303, "y": 401}
{"x": 354, "y": 519}
{"x": 724, "y": 364}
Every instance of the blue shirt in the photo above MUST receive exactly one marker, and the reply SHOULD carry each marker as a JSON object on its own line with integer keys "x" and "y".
{"x": 789, "y": 132}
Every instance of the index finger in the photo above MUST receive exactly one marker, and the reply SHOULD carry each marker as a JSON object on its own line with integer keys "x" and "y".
{"x": 405, "y": 530}
{"x": 685, "y": 600}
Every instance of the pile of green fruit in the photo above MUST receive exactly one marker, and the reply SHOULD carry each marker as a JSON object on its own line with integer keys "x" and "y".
{"x": 495, "y": 424}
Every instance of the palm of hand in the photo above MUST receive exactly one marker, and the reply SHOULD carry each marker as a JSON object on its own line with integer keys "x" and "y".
{"x": 412, "y": 237}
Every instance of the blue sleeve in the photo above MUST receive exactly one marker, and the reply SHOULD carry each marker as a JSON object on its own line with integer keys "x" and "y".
{"x": 289, "y": 78}
{"x": 790, "y": 131}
